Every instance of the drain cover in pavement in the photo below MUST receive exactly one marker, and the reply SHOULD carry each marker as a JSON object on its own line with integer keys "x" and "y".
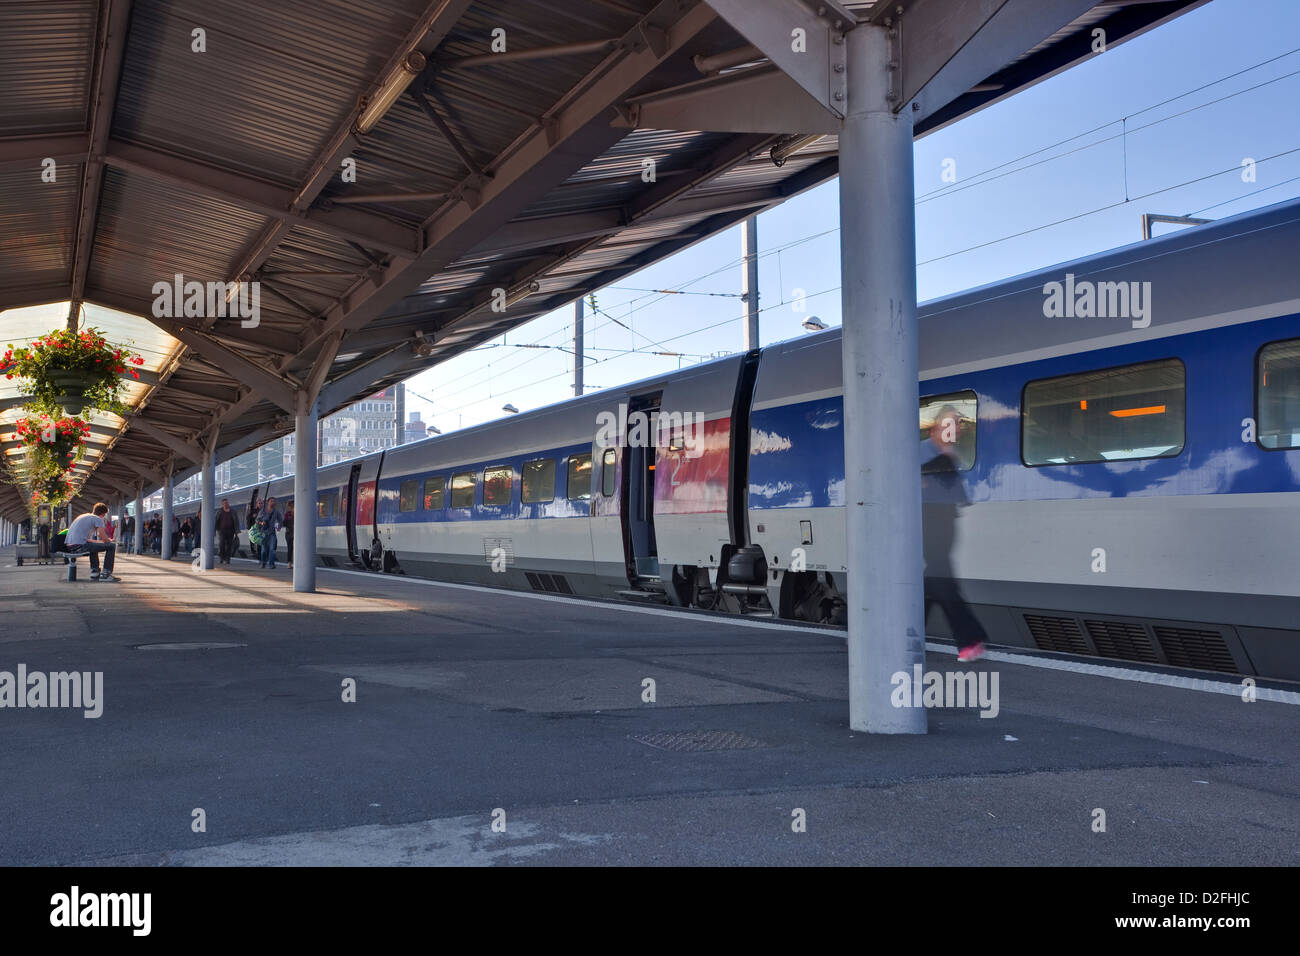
{"x": 191, "y": 646}
{"x": 698, "y": 741}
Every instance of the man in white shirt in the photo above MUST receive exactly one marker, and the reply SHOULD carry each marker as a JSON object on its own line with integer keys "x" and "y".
{"x": 86, "y": 536}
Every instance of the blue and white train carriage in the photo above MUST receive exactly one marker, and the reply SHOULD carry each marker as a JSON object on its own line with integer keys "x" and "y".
{"x": 1132, "y": 470}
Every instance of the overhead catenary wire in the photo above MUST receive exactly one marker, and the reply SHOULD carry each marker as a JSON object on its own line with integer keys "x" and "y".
{"x": 950, "y": 187}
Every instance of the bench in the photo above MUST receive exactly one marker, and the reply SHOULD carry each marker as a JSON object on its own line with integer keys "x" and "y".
{"x": 71, "y": 557}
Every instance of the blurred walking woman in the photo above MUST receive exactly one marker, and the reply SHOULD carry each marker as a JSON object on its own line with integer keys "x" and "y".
{"x": 288, "y": 531}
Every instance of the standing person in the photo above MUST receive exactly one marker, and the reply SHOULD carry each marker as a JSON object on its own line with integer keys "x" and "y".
{"x": 187, "y": 536}
{"x": 176, "y": 535}
{"x": 269, "y": 521}
{"x": 128, "y": 533}
{"x": 227, "y": 527}
{"x": 943, "y": 494}
{"x": 86, "y": 535}
{"x": 288, "y": 532}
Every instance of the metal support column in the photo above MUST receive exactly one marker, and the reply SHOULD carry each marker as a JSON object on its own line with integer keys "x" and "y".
{"x": 208, "y": 524}
{"x": 879, "y": 365}
{"x": 749, "y": 279}
{"x": 139, "y": 519}
{"x": 578, "y": 338}
{"x": 304, "y": 494}
{"x": 167, "y": 491}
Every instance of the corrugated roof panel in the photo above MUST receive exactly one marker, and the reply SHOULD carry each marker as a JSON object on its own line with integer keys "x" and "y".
{"x": 287, "y": 74}
{"x": 37, "y": 223}
{"x": 149, "y": 230}
{"x": 46, "y": 49}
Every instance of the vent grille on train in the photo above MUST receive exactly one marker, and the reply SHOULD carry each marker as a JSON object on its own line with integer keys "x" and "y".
{"x": 553, "y": 583}
{"x": 1190, "y": 647}
{"x": 1123, "y": 640}
{"x": 1057, "y": 634}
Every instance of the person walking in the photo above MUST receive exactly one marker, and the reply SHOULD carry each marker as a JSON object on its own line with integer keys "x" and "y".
{"x": 943, "y": 494}
{"x": 227, "y": 527}
{"x": 86, "y": 536}
{"x": 288, "y": 532}
{"x": 269, "y": 521}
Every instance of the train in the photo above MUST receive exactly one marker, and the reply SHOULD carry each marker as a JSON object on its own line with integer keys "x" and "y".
{"x": 1128, "y": 448}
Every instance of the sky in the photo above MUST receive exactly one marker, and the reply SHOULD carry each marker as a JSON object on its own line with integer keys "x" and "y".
{"x": 1190, "y": 99}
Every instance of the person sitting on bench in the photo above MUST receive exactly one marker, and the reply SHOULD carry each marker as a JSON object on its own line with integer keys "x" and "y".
{"x": 86, "y": 536}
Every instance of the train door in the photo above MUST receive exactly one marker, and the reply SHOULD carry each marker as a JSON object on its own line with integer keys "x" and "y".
{"x": 367, "y": 512}
{"x": 350, "y": 513}
{"x": 639, "y": 441}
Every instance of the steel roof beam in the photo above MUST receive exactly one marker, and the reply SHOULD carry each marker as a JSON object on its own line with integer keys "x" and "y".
{"x": 438, "y": 20}
{"x": 188, "y": 450}
{"x": 574, "y": 130}
{"x": 28, "y": 151}
{"x": 34, "y": 295}
{"x": 111, "y": 48}
{"x": 263, "y": 337}
{"x": 340, "y": 392}
{"x": 949, "y": 47}
{"x": 156, "y": 477}
{"x": 819, "y": 67}
{"x": 275, "y": 202}
{"x": 272, "y": 385}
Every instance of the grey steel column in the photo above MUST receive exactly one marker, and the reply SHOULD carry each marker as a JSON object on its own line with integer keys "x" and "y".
{"x": 749, "y": 282}
{"x": 578, "y": 337}
{"x": 208, "y": 525}
{"x": 139, "y": 519}
{"x": 304, "y": 495}
{"x": 167, "y": 490}
{"x": 879, "y": 364}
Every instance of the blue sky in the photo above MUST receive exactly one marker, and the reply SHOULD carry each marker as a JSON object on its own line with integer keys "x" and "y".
{"x": 799, "y": 241}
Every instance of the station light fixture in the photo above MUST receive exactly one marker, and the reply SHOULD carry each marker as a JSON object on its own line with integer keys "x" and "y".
{"x": 783, "y": 151}
{"x": 234, "y": 287}
{"x": 814, "y": 324}
{"x": 374, "y": 107}
{"x": 510, "y": 408}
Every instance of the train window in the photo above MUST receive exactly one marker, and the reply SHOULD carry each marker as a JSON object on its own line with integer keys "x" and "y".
{"x": 607, "y": 468}
{"x": 327, "y": 504}
{"x": 1277, "y": 395}
{"x": 1114, "y": 414}
{"x": 537, "y": 481}
{"x": 408, "y": 495}
{"x": 497, "y": 483}
{"x": 462, "y": 490}
{"x": 433, "y": 493}
{"x": 954, "y": 417}
{"x": 579, "y": 486}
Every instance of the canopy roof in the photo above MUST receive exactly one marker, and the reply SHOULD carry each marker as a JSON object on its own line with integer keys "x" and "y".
{"x": 209, "y": 138}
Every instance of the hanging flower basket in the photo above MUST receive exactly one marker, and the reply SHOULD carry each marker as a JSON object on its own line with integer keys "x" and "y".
{"x": 72, "y": 388}
{"x": 73, "y": 371}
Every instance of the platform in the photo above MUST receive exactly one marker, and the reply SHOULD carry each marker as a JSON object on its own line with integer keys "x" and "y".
{"x": 470, "y": 702}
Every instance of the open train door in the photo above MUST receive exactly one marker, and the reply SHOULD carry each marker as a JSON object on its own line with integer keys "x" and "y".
{"x": 363, "y": 524}
{"x": 350, "y": 514}
{"x": 638, "y": 494}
